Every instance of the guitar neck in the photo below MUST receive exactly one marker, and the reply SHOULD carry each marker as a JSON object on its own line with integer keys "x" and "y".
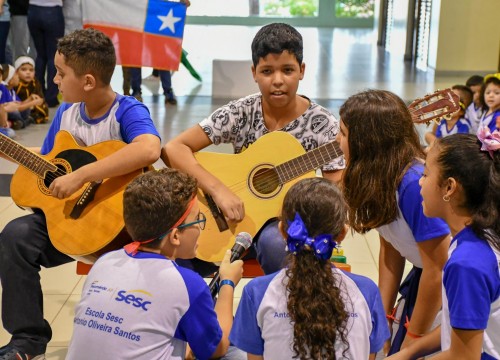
{"x": 310, "y": 161}
{"x": 24, "y": 157}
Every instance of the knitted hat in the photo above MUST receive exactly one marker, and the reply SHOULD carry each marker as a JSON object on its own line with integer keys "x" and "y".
{"x": 21, "y": 60}
{"x": 8, "y": 72}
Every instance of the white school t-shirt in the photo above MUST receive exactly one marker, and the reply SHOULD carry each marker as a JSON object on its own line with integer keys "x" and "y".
{"x": 143, "y": 307}
{"x": 471, "y": 291}
{"x": 262, "y": 323}
{"x": 411, "y": 226}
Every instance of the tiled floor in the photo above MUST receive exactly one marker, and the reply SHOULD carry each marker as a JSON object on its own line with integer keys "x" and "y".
{"x": 339, "y": 63}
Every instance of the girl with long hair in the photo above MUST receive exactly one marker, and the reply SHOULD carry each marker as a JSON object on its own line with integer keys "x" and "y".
{"x": 380, "y": 183}
{"x": 310, "y": 309}
{"x": 461, "y": 184}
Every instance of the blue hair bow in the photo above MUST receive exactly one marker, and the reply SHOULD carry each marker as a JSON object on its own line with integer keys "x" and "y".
{"x": 298, "y": 239}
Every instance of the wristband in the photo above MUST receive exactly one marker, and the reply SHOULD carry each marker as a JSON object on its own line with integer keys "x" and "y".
{"x": 226, "y": 282}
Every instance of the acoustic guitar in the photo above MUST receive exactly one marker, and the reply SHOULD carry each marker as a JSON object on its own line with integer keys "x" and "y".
{"x": 263, "y": 173}
{"x": 85, "y": 224}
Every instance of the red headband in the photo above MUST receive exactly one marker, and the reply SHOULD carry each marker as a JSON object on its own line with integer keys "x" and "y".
{"x": 132, "y": 248}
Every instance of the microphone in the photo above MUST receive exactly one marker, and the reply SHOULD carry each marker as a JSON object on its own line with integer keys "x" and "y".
{"x": 242, "y": 243}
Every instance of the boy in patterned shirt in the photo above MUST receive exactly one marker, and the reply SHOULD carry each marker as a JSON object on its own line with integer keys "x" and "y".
{"x": 277, "y": 53}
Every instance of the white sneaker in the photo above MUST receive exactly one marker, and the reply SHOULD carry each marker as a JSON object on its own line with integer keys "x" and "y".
{"x": 152, "y": 83}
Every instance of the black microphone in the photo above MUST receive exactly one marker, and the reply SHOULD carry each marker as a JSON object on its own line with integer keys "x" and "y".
{"x": 242, "y": 243}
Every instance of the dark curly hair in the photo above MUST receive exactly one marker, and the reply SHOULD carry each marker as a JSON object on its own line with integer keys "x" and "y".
{"x": 383, "y": 143}
{"x": 154, "y": 201}
{"x": 460, "y": 157}
{"x": 89, "y": 51}
{"x": 315, "y": 301}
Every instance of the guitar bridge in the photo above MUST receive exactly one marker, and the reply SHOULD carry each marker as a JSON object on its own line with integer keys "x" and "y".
{"x": 85, "y": 199}
{"x": 219, "y": 218}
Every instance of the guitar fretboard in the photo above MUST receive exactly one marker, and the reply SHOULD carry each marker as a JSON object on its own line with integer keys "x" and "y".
{"x": 25, "y": 157}
{"x": 311, "y": 160}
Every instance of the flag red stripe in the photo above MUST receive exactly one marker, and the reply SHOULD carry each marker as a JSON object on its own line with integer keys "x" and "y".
{"x": 136, "y": 49}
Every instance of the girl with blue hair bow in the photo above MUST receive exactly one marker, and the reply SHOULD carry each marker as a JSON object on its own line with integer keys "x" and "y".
{"x": 310, "y": 309}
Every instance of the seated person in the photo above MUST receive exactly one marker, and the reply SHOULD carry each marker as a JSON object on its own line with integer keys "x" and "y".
{"x": 136, "y": 302}
{"x": 29, "y": 85}
{"x": 18, "y": 111}
{"x": 277, "y": 53}
{"x": 4, "y": 124}
{"x": 311, "y": 309}
{"x": 456, "y": 124}
{"x": 474, "y": 111}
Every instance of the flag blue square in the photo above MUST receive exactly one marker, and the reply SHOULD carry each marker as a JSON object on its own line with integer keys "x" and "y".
{"x": 165, "y": 18}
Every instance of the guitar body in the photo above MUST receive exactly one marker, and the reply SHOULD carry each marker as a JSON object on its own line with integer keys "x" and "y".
{"x": 239, "y": 172}
{"x": 101, "y": 220}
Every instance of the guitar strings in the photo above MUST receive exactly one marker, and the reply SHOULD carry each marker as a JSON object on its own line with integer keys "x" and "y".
{"x": 269, "y": 176}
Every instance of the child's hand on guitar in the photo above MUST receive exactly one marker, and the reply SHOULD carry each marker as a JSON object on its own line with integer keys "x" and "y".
{"x": 231, "y": 270}
{"x": 231, "y": 205}
{"x": 66, "y": 185}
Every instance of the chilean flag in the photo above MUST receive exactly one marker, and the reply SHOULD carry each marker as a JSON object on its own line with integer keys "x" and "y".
{"x": 144, "y": 32}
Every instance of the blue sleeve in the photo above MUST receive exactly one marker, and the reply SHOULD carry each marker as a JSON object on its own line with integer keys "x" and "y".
{"x": 410, "y": 203}
{"x": 48, "y": 143}
{"x": 199, "y": 326}
{"x": 493, "y": 123}
{"x": 471, "y": 287}
{"x": 380, "y": 330}
{"x": 134, "y": 119}
{"x": 245, "y": 333}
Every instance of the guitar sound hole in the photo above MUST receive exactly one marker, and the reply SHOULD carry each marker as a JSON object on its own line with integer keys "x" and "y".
{"x": 52, "y": 175}
{"x": 265, "y": 181}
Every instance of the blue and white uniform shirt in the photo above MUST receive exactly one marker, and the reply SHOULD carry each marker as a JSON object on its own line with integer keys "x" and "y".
{"x": 125, "y": 120}
{"x": 462, "y": 126}
{"x": 143, "y": 307}
{"x": 490, "y": 120}
{"x": 471, "y": 291}
{"x": 262, "y": 323}
{"x": 241, "y": 123}
{"x": 411, "y": 225}
{"x": 473, "y": 115}
{"x": 5, "y": 95}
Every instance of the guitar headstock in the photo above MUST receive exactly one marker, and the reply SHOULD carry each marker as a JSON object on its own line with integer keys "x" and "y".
{"x": 441, "y": 103}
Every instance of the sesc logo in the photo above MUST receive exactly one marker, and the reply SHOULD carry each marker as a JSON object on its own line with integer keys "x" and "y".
{"x": 133, "y": 300}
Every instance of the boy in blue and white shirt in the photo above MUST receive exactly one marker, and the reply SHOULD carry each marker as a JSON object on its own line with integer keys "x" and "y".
{"x": 137, "y": 303}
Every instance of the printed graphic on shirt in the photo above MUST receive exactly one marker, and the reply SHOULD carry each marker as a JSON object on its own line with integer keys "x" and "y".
{"x": 241, "y": 123}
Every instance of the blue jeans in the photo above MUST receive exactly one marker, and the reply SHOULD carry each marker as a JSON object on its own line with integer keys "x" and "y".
{"x": 46, "y": 26}
{"x": 24, "y": 248}
{"x": 270, "y": 247}
{"x": 4, "y": 33}
{"x": 136, "y": 80}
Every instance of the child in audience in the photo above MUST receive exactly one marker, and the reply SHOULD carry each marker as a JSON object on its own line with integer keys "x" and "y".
{"x": 277, "y": 53}
{"x": 384, "y": 163}
{"x": 310, "y": 309}
{"x": 457, "y": 124}
{"x": 92, "y": 113}
{"x": 4, "y": 124}
{"x": 474, "y": 111}
{"x": 145, "y": 317}
{"x": 18, "y": 111}
{"x": 490, "y": 98}
{"x": 29, "y": 85}
{"x": 471, "y": 280}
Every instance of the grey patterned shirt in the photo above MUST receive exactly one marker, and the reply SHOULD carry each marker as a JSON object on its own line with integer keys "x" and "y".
{"x": 241, "y": 123}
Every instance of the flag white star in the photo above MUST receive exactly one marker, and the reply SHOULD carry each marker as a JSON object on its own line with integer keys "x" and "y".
{"x": 169, "y": 21}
